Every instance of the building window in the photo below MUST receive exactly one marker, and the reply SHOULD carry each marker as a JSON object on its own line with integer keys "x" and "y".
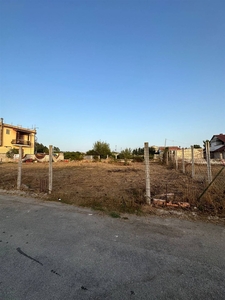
{"x": 7, "y": 131}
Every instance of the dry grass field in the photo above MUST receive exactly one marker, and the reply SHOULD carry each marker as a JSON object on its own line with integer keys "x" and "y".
{"x": 113, "y": 187}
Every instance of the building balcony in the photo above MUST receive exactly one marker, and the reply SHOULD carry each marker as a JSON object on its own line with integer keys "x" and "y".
{"x": 21, "y": 142}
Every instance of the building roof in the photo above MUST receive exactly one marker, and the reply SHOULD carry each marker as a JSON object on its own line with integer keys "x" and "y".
{"x": 221, "y": 149}
{"x": 19, "y": 128}
{"x": 220, "y": 137}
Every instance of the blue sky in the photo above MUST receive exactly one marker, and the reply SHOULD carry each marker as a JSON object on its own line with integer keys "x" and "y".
{"x": 123, "y": 72}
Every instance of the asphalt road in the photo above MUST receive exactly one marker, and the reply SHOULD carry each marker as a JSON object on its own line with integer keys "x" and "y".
{"x": 55, "y": 251}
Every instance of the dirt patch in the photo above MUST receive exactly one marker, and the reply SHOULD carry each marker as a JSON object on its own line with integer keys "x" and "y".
{"x": 109, "y": 186}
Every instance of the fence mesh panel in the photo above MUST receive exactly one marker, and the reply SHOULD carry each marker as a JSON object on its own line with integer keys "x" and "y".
{"x": 123, "y": 184}
{"x": 205, "y": 194}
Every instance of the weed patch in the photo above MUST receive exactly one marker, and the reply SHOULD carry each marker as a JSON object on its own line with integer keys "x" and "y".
{"x": 114, "y": 214}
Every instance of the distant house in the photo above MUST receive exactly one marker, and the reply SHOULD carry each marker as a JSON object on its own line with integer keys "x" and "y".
{"x": 217, "y": 146}
{"x": 14, "y": 137}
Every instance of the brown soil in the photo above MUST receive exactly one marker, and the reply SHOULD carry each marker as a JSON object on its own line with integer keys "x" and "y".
{"x": 110, "y": 186}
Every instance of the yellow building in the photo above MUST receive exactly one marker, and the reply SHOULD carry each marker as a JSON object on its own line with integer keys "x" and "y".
{"x": 14, "y": 137}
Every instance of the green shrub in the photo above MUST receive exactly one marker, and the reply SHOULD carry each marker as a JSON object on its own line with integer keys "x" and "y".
{"x": 73, "y": 155}
{"x": 11, "y": 152}
{"x": 138, "y": 159}
{"x": 114, "y": 214}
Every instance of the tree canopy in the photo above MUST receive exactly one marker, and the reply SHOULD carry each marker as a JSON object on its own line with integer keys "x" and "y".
{"x": 73, "y": 155}
{"x": 11, "y": 152}
{"x": 100, "y": 148}
{"x": 140, "y": 151}
{"x": 40, "y": 148}
{"x": 126, "y": 153}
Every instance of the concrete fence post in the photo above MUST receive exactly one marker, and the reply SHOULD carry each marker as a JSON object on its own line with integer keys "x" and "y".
{"x": 193, "y": 162}
{"x": 167, "y": 157}
{"x": 50, "y": 170}
{"x": 147, "y": 173}
{"x": 183, "y": 164}
{"x": 176, "y": 160}
{"x": 209, "y": 171}
{"x": 19, "y": 169}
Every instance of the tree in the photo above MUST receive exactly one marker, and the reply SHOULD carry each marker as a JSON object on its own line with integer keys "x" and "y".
{"x": 56, "y": 149}
{"x": 40, "y": 148}
{"x": 11, "y": 152}
{"x": 92, "y": 152}
{"x": 102, "y": 149}
{"x": 126, "y": 154}
{"x": 151, "y": 152}
{"x": 197, "y": 146}
{"x": 73, "y": 155}
{"x": 140, "y": 152}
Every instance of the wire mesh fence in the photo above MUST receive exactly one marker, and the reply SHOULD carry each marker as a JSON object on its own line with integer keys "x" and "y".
{"x": 175, "y": 179}
{"x": 206, "y": 186}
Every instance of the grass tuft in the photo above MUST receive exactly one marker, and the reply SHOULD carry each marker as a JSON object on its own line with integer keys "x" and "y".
{"x": 114, "y": 214}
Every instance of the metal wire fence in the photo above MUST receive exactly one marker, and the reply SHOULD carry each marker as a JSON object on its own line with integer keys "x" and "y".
{"x": 187, "y": 177}
{"x": 207, "y": 178}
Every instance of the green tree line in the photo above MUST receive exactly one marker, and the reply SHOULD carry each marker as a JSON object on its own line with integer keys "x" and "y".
{"x": 100, "y": 149}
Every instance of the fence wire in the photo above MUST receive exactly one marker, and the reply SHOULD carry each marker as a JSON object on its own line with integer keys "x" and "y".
{"x": 124, "y": 184}
{"x": 206, "y": 186}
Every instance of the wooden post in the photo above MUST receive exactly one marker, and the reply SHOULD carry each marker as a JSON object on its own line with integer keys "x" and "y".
{"x": 19, "y": 169}
{"x": 209, "y": 171}
{"x": 183, "y": 164}
{"x": 50, "y": 170}
{"x": 193, "y": 162}
{"x": 147, "y": 173}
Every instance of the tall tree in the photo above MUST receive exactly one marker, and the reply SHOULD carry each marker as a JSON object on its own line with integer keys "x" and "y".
{"x": 102, "y": 149}
{"x": 40, "y": 148}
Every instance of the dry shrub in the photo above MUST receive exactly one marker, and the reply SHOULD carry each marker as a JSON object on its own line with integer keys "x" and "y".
{"x": 212, "y": 202}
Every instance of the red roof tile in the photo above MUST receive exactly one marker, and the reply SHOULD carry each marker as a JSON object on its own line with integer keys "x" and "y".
{"x": 220, "y": 137}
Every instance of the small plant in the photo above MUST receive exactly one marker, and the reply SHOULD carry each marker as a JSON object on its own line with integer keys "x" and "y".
{"x": 97, "y": 206}
{"x": 126, "y": 162}
{"x": 114, "y": 214}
